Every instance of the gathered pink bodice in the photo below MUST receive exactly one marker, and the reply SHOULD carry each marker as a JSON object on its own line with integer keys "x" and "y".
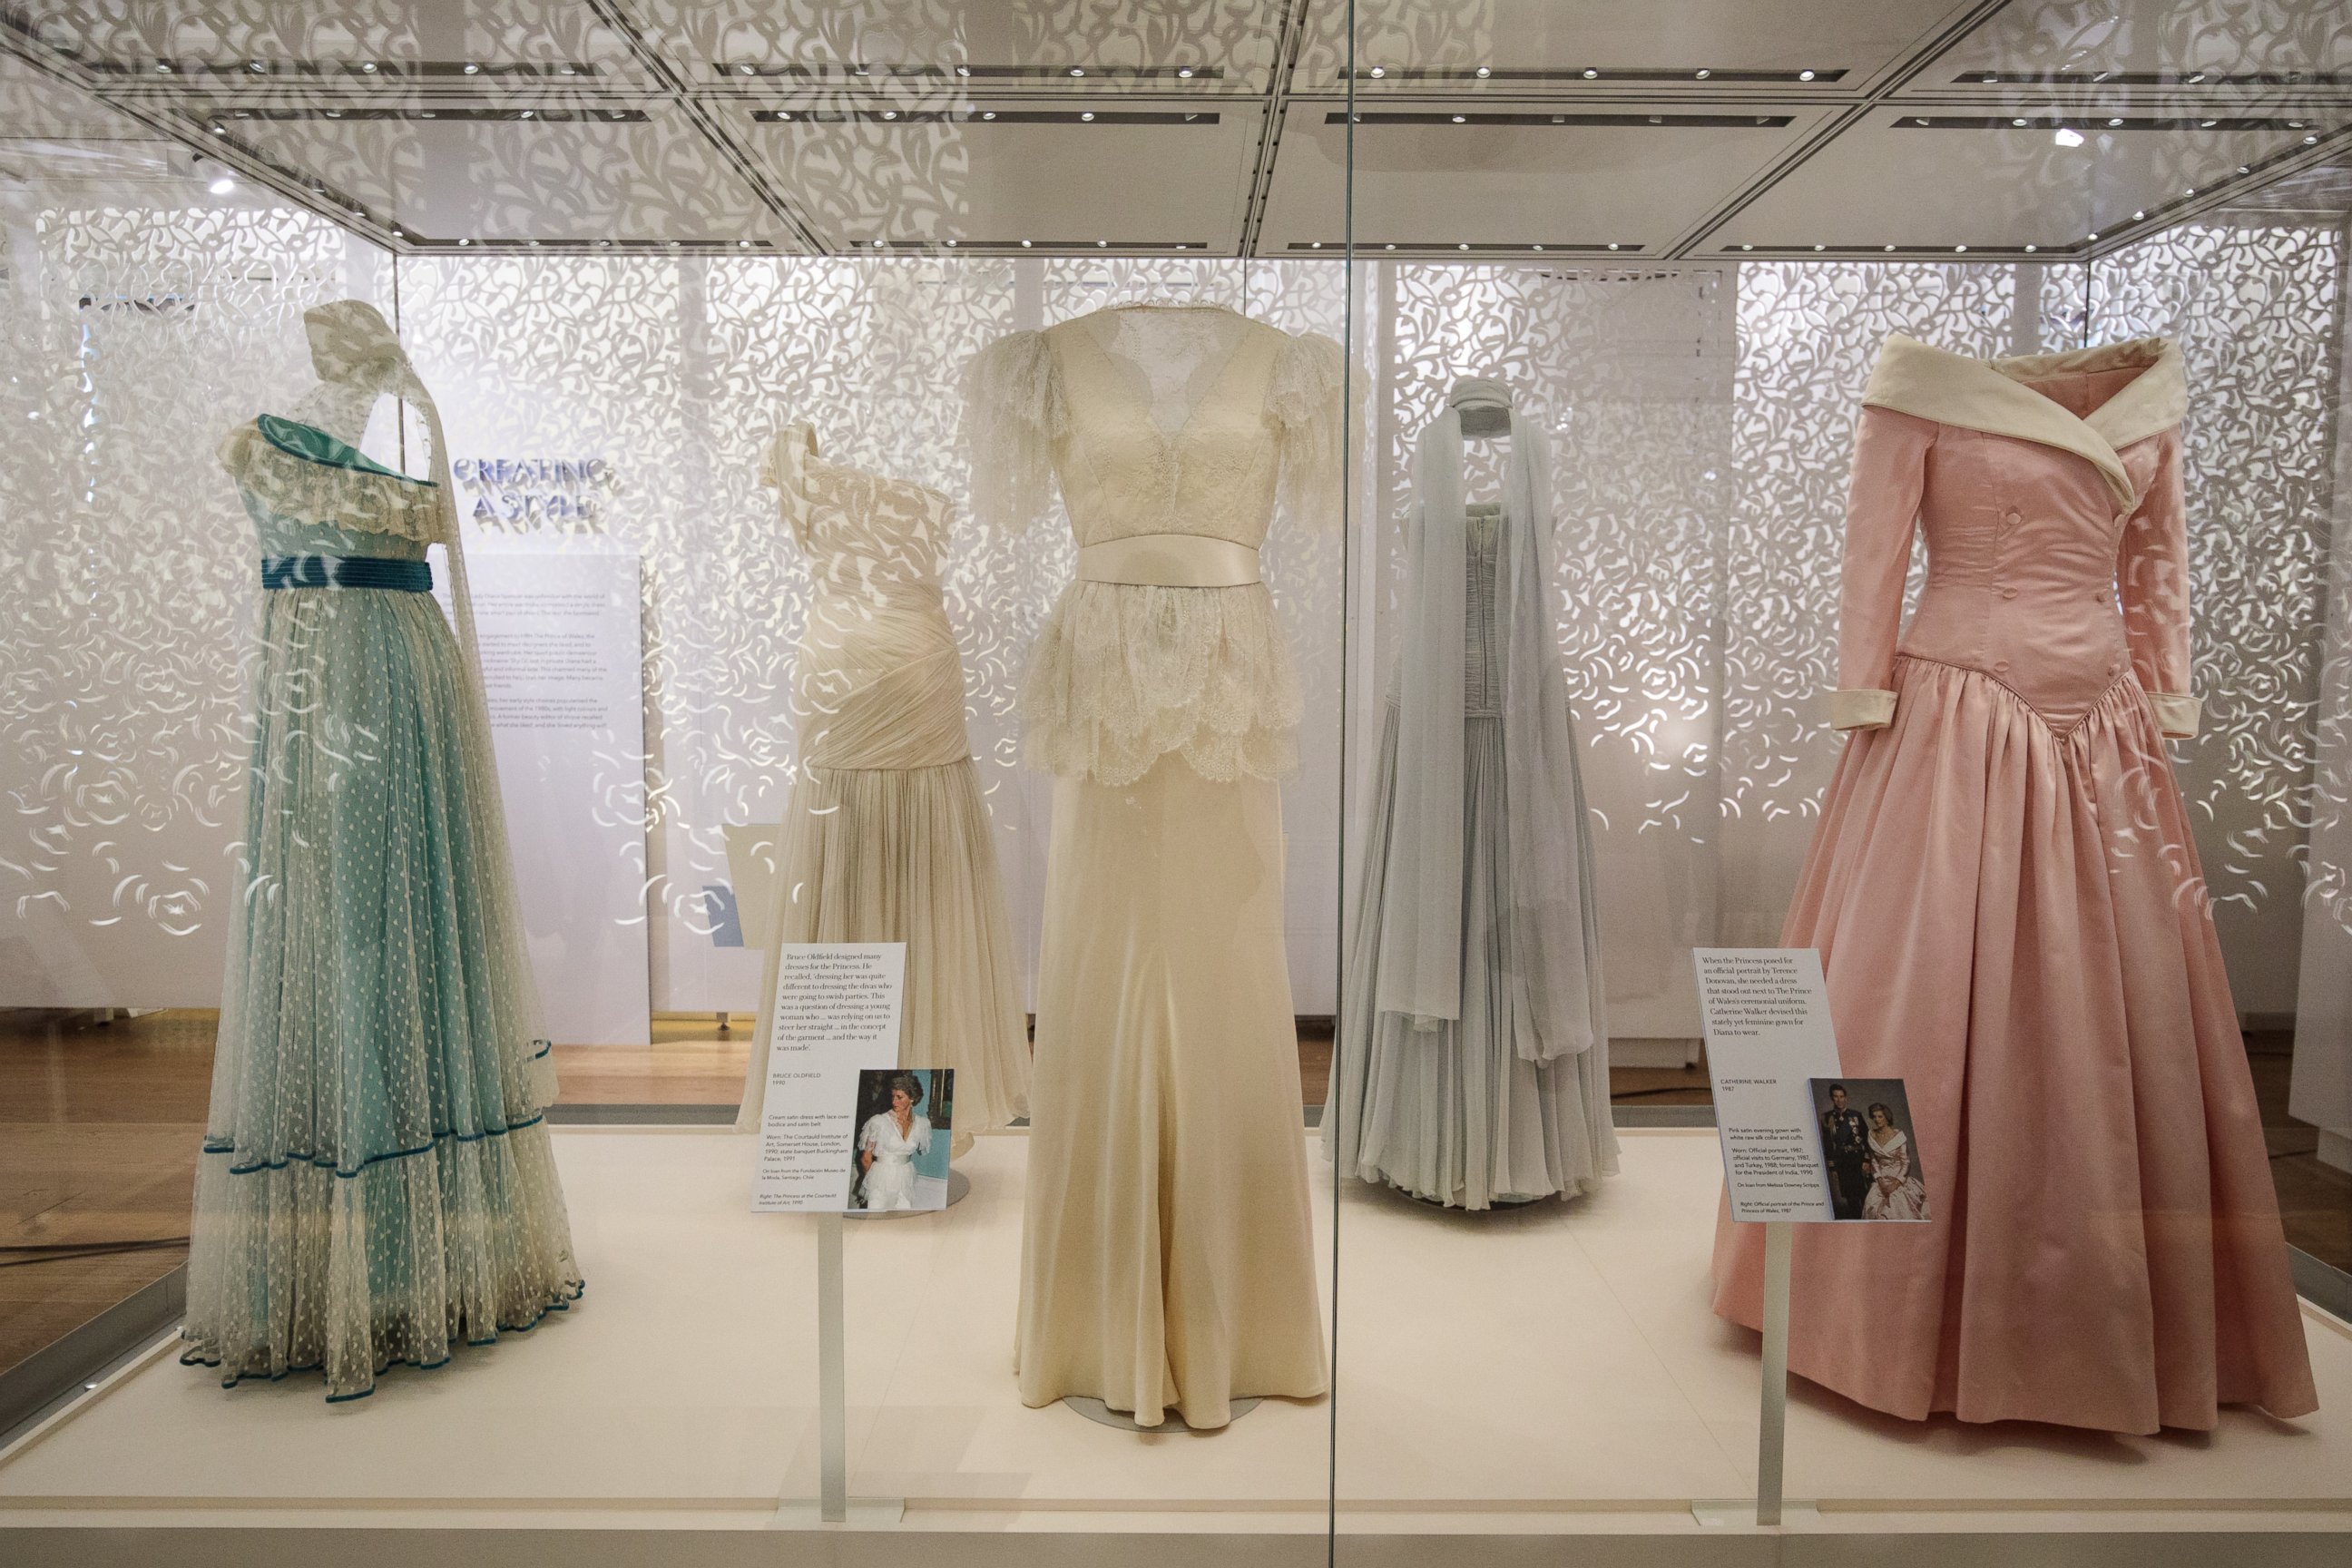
{"x": 2039, "y": 572}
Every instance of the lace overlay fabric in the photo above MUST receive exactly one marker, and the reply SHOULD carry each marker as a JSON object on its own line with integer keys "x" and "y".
{"x": 1151, "y": 420}
{"x": 288, "y": 486}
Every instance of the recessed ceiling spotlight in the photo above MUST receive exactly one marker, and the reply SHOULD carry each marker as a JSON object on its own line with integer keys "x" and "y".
{"x": 1805, "y": 76}
{"x": 220, "y": 130}
{"x": 877, "y": 245}
{"x": 1388, "y": 247}
{"x": 2114, "y": 122}
{"x": 1460, "y": 120}
{"x": 2137, "y": 216}
{"x": 2310, "y": 141}
{"x": 2245, "y": 168}
{"x": 607, "y": 244}
{"x": 1180, "y": 244}
{"x": 671, "y": 244}
{"x": 334, "y": 114}
{"x": 465, "y": 242}
{"x": 2067, "y": 136}
{"x": 473, "y": 69}
{"x": 2190, "y": 191}
{"x": 534, "y": 244}
{"x": 254, "y": 66}
{"x": 1612, "y": 245}
{"x": 1747, "y": 247}
{"x": 2094, "y": 237}
{"x": 2207, "y": 124}
{"x": 2019, "y": 124}
{"x": 2032, "y": 249}
{"x": 951, "y": 245}
{"x": 400, "y": 231}
{"x": 368, "y": 66}
{"x": 1102, "y": 245}
{"x": 1590, "y": 73}
{"x": 1378, "y": 71}
{"x": 990, "y": 115}
{"x": 164, "y": 67}
{"x": 1701, "y": 74}
{"x": 1485, "y": 71}
{"x": 889, "y": 114}
{"x": 429, "y": 114}
{"x": 222, "y": 184}
{"x": 1086, "y": 115}
{"x": 1185, "y": 72}
{"x": 1540, "y": 247}
{"x": 2294, "y": 125}
{"x": 2198, "y": 76}
{"x": 1464, "y": 246}
{"x": 1821, "y": 248}
{"x": 1959, "y": 251}
{"x": 1315, "y": 245}
{"x": 1887, "y": 248}
{"x": 1028, "y": 243}
{"x": 1077, "y": 70}
{"x": 747, "y": 69}
{"x": 742, "y": 244}
{"x": 963, "y": 70}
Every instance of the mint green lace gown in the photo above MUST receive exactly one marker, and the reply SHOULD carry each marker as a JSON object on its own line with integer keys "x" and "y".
{"x": 376, "y": 1185}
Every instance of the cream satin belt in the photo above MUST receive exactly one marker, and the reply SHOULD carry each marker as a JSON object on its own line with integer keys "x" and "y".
{"x": 1169, "y": 561}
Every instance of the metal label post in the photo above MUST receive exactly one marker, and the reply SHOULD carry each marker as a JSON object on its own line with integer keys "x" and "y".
{"x": 1772, "y": 1427}
{"x": 833, "y": 1382}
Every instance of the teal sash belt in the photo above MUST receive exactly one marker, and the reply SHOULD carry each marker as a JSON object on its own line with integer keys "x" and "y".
{"x": 345, "y": 572}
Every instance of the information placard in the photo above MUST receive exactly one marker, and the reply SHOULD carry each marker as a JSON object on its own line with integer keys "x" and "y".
{"x": 1767, "y": 1018}
{"x": 836, "y": 1008}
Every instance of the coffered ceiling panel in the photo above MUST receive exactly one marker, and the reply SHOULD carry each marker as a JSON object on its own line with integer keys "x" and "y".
{"x": 1610, "y": 45}
{"x": 355, "y": 45}
{"x": 1666, "y": 129}
{"x": 2213, "y": 45}
{"x": 634, "y": 175}
{"x": 1939, "y": 180}
{"x": 988, "y": 174}
{"x": 1479, "y": 176}
{"x": 1067, "y": 46}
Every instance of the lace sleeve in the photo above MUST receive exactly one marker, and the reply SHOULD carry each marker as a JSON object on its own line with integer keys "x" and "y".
{"x": 1012, "y": 413}
{"x": 1305, "y": 401}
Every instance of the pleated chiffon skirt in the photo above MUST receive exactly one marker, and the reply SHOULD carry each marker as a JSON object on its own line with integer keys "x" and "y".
{"x": 376, "y": 1185}
{"x": 906, "y": 855}
{"x": 1168, "y": 1251}
{"x": 1456, "y": 1114}
{"x": 2011, "y": 918}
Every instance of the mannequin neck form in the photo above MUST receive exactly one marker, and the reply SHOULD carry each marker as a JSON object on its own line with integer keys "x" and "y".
{"x": 341, "y": 409}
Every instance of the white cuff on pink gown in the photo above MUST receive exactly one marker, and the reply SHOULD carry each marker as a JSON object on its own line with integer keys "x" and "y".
{"x": 1861, "y": 708}
{"x": 2176, "y": 713}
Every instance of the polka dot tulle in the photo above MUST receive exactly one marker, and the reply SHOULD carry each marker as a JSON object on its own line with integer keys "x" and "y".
{"x": 376, "y": 1186}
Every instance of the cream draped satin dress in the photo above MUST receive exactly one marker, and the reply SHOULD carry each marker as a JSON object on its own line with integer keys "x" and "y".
{"x": 886, "y": 838}
{"x": 1167, "y": 1252}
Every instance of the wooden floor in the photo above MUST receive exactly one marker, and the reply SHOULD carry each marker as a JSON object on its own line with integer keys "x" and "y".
{"x": 99, "y": 1125}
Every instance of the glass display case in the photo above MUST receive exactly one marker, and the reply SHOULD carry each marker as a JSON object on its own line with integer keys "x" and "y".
{"x": 958, "y": 766}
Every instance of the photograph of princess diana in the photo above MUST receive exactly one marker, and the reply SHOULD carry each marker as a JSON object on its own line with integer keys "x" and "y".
{"x": 1868, "y": 1148}
{"x": 898, "y": 1158}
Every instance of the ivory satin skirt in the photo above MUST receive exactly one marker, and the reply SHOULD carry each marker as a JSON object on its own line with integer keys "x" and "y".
{"x": 1168, "y": 1251}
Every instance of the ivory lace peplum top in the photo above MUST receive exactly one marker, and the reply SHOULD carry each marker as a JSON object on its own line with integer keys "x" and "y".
{"x": 1173, "y": 430}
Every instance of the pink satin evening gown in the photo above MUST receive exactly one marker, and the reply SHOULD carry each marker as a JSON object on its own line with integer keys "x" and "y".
{"x": 2011, "y": 918}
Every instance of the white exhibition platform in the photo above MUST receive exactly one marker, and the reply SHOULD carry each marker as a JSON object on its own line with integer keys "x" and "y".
{"x": 1508, "y": 1381}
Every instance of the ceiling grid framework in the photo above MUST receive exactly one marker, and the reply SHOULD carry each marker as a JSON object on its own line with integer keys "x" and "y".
{"x": 2048, "y": 129}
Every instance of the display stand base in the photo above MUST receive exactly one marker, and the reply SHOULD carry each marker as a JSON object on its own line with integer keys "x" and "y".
{"x": 864, "y": 1513}
{"x": 1740, "y": 1513}
{"x": 1095, "y": 1410}
{"x": 959, "y": 1189}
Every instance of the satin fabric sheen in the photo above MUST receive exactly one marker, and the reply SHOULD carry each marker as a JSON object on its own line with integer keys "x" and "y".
{"x": 2007, "y": 901}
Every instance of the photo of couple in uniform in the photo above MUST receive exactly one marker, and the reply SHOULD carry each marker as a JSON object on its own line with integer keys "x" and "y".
{"x": 1867, "y": 1144}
